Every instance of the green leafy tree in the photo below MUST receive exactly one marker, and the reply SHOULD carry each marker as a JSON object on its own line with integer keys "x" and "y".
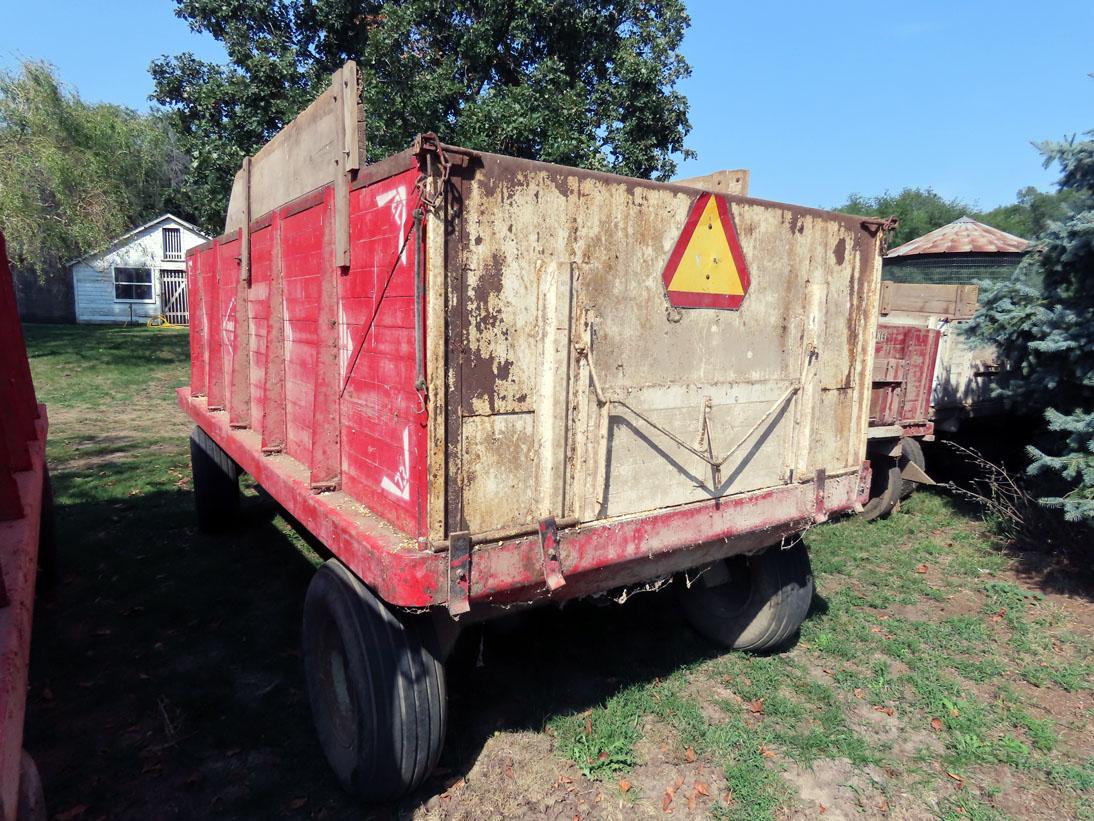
{"x": 590, "y": 83}
{"x": 74, "y": 174}
{"x": 1032, "y": 213}
{"x": 920, "y": 210}
{"x": 1042, "y": 322}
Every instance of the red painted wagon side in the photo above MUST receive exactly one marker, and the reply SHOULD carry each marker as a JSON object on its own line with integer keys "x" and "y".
{"x": 904, "y": 363}
{"x": 24, "y": 497}
{"x": 481, "y": 381}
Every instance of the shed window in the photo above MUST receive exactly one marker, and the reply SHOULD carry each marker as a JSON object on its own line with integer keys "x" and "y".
{"x": 172, "y": 243}
{"x": 133, "y": 285}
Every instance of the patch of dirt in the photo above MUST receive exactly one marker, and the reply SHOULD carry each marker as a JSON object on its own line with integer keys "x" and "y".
{"x": 838, "y": 790}
{"x": 517, "y": 775}
{"x": 892, "y": 732}
{"x": 1016, "y": 796}
{"x": 672, "y": 778}
{"x": 704, "y": 691}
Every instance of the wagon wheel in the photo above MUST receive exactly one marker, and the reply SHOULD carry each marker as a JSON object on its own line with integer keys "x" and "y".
{"x": 910, "y": 451}
{"x": 885, "y": 487}
{"x": 376, "y": 687}
{"x": 216, "y": 483}
{"x": 751, "y": 602}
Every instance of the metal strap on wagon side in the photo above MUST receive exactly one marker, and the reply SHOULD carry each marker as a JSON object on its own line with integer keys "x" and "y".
{"x": 605, "y": 402}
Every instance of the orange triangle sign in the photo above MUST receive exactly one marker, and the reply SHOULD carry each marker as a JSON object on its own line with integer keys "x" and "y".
{"x": 707, "y": 267}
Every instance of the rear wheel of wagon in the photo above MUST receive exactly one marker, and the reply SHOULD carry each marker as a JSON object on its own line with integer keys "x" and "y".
{"x": 216, "y": 483}
{"x": 910, "y": 451}
{"x": 885, "y": 487}
{"x": 375, "y": 684}
{"x": 751, "y": 602}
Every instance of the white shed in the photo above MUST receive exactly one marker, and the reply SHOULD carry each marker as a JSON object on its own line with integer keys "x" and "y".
{"x": 140, "y": 275}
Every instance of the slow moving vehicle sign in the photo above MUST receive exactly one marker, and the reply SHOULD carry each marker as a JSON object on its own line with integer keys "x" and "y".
{"x": 707, "y": 268}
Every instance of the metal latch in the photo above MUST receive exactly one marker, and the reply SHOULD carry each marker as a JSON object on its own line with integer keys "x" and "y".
{"x": 459, "y": 573}
{"x": 552, "y": 558}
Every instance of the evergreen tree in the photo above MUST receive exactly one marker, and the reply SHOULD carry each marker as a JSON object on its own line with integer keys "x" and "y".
{"x": 1042, "y": 322}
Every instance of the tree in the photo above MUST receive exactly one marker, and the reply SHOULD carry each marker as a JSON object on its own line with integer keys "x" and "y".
{"x": 590, "y": 83}
{"x": 1031, "y": 214}
{"x": 1042, "y": 322}
{"x": 74, "y": 174}
{"x": 919, "y": 210}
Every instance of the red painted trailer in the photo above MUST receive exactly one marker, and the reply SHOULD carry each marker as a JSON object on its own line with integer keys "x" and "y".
{"x": 900, "y": 413}
{"x": 25, "y": 510}
{"x": 927, "y": 379}
{"x": 482, "y": 382}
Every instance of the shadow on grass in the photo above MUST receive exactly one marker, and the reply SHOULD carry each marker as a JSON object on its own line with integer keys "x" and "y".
{"x": 166, "y": 675}
{"x": 1054, "y": 555}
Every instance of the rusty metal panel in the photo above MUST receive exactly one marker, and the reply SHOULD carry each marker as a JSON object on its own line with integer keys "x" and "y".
{"x": 583, "y": 391}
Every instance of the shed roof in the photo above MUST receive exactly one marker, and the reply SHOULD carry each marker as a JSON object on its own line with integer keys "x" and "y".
{"x": 118, "y": 240}
{"x": 962, "y": 236}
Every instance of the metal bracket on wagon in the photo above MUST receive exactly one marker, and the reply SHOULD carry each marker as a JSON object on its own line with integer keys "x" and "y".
{"x": 459, "y": 573}
{"x": 552, "y": 558}
{"x": 820, "y": 509}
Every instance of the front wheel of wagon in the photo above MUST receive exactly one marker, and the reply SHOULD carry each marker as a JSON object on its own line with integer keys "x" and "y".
{"x": 885, "y": 487}
{"x": 751, "y": 602}
{"x": 910, "y": 451}
{"x": 375, "y": 684}
{"x": 216, "y": 483}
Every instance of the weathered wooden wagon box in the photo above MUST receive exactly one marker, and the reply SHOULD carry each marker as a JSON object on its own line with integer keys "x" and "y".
{"x": 485, "y": 380}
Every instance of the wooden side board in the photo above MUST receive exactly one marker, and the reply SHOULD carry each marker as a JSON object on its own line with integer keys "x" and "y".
{"x": 721, "y": 182}
{"x": 945, "y": 301}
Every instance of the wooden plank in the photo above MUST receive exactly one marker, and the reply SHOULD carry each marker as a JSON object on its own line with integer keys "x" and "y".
{"x": 195, "y": 288}
{"x": 214, "y": 367}
{"x": 349, "y": 98}
{"x": 239, "y": 396}
{"x": 886, "y": 302}
{"x": 325, "y": 460}
{"x": 301, "y": 157}
{"x": 273, "y": 408}
{"x": 721, "y": 182}
{"x": 245, "y": 240}
{"x": 948, "y": 301}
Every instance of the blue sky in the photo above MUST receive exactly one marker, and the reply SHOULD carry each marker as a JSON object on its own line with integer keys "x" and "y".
{"x": 818, "y": 99}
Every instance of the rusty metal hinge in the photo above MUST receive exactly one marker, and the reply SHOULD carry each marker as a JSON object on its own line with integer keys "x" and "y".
{"x": 459, "y": 573}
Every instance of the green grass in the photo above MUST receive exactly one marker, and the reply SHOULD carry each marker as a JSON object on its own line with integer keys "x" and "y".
{"x": 881, "y": 642}
{"x": 172, "y": 658}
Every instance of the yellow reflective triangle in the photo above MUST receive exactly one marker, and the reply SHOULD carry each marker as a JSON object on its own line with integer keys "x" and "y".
{"x": 707, "y": 265}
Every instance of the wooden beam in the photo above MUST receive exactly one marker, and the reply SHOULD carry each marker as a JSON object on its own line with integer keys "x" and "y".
{"x": 273, "y": 372}
{"x": 214, "y": 324}
{"x": 326, "y": 418}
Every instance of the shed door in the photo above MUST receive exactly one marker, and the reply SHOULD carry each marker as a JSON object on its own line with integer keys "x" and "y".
{"x": 173, "y": 296}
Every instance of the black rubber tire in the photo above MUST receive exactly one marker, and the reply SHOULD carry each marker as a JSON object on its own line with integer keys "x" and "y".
{"x": 216, "y": 484}
{"x": 760, "y": 607}
{"x": 31, "y": 799}
{"x": 885, "y": 487}
{"x": 910, "y": 451}
{"x": 375, "y": 684}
